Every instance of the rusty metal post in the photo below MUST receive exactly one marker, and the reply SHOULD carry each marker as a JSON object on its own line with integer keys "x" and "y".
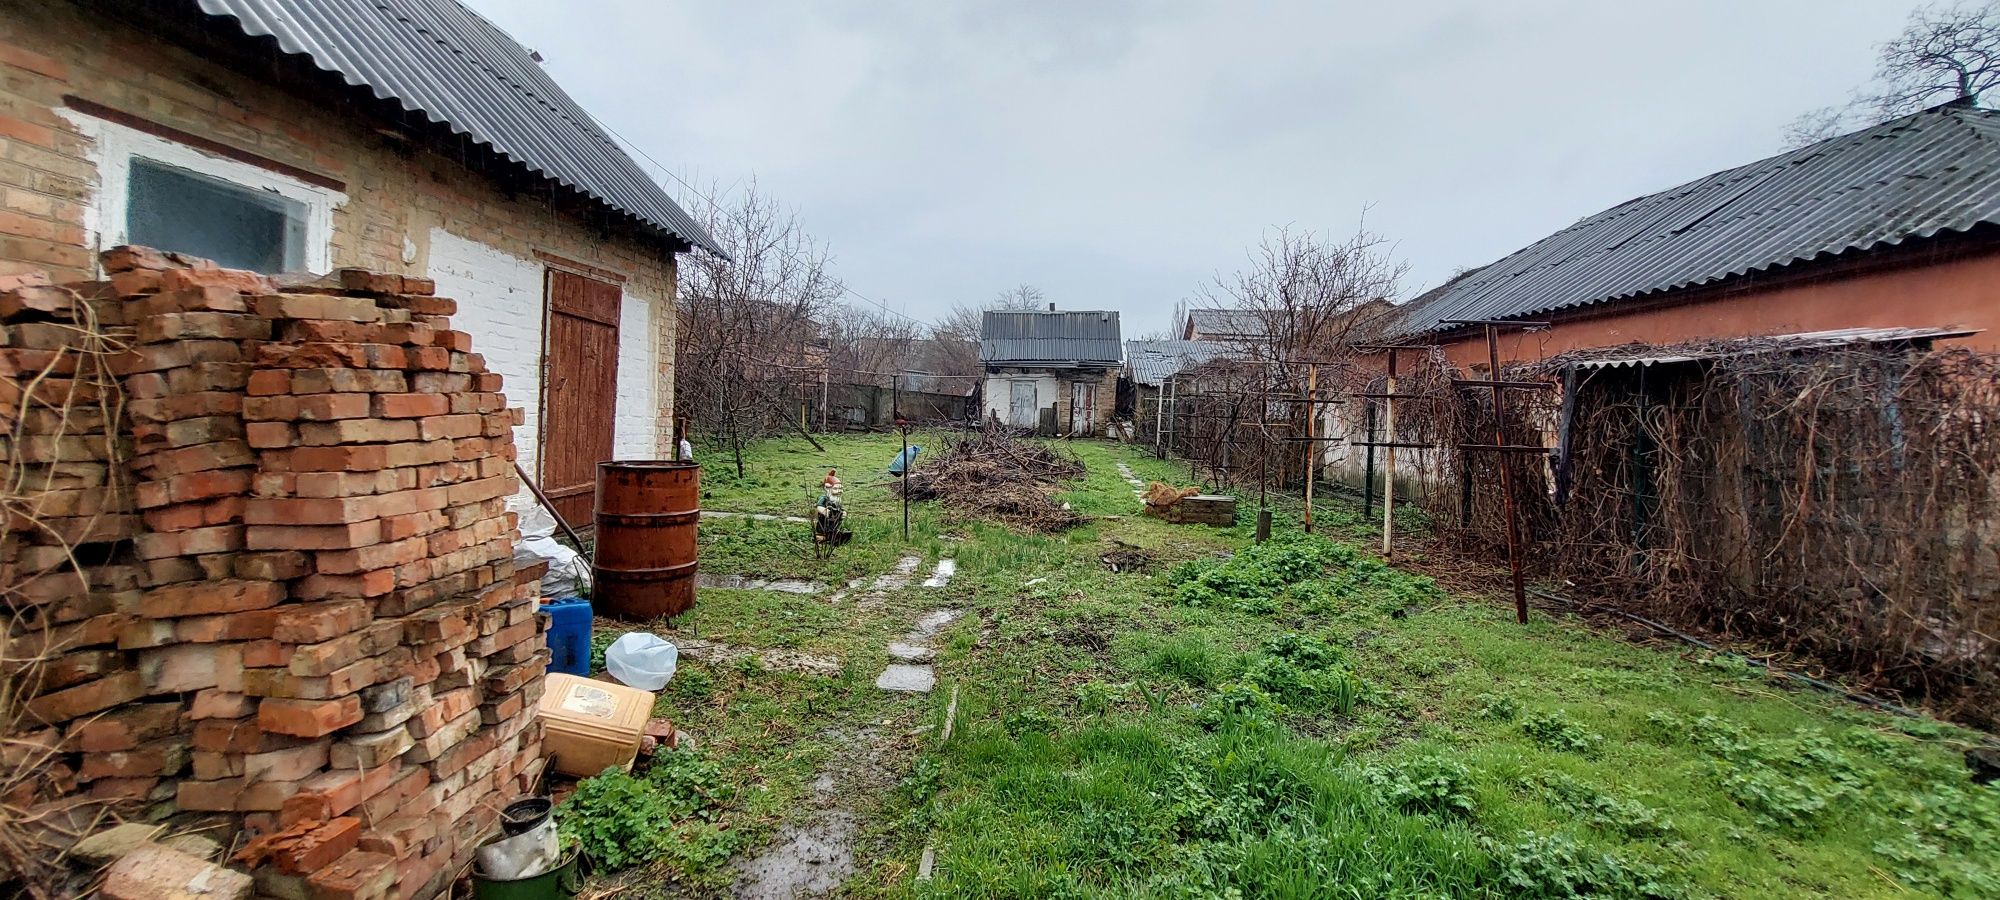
{"x": 1368, "y": 469}
{"x": 1506, "y": 473}
{"x": 902, "y": 425}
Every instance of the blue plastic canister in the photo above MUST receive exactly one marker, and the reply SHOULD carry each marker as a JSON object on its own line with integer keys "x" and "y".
{"x": 569, "y": 635}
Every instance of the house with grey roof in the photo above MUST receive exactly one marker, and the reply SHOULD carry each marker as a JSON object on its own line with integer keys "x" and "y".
{"x": 405, "y": 136}
{"x": 1150, "y": 365}
{"x": 1051, "y": 370}
{"x": 1234, "y": 326}
{"x": 1885, "y": 229}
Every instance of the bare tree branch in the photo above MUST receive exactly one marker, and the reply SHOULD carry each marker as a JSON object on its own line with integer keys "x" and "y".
{"x": 1946, "y": 52}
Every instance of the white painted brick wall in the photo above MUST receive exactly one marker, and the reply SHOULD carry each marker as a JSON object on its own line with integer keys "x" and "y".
{"x": 635, "y": 432}
{"x": 500, "y": 304}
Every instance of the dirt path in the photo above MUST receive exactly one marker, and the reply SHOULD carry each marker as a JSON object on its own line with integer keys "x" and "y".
{"x": 814, "y": 855}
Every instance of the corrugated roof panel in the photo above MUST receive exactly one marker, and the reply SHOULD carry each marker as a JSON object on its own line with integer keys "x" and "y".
{"x": 1914, "y": 177}
{"x": 441, "y": 60}
{"x": 1152, "y": 362}
{"x": 1645, "y": 355}
{"x": 1034, "y": 336}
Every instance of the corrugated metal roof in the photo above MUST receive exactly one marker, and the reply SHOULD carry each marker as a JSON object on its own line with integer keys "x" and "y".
{"x": 439, "y": 59}
{"x": 1649, "y": 355}
{"x": 1913, "y": 177}
{"x": 1035, "y": 337}
{"x": 1152, "y": 362}
{"x": 1228, "y": 322}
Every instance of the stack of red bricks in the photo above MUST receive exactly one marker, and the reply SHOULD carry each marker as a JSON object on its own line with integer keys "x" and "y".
{"x": 67, "y": 498}
{"x": 322, "y": 633}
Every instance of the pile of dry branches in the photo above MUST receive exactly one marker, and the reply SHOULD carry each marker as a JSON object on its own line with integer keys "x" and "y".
{"x": 1841, "y": 502}
{"x": 993, "y": 474}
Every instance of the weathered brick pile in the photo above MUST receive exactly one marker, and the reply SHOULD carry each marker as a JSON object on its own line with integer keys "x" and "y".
{"x": 301, "y": 607}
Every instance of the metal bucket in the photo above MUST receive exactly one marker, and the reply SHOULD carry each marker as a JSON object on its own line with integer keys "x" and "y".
{"x": 647, "y": 513}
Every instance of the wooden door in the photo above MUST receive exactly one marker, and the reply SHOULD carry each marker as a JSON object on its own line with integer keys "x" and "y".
{"x": 579, "y": 390}
{"x": 1021, "y": 408}
{"x": 1082, "y": 407}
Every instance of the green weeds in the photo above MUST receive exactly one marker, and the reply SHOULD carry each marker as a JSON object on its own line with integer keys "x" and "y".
{"x": 1292, "y": 719}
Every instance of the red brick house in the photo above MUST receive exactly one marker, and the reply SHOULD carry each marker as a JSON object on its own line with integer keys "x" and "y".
{"x": 408, "y": 136}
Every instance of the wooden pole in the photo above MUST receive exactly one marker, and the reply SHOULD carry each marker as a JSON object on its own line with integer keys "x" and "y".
{"x": 1312, "y": 446}
{"x": 551, "y": 507}
{"x": 822, "y": 398}
{"x": 1389, "y": 463}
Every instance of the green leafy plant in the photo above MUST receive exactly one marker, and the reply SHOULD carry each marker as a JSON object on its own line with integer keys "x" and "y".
{"x": 617, "y": 819}
{"x": 1556, "y": 731}
{"x": 1779, "y": 800}
{"x": 1630, "y": 818}
{"x": 621, "y": 820}
{"x": 1031, "y": 720}
{"x": 1241, "y": 702}
{"x": 1426, "y": 784}
{"x": 1558, "y": 868}
{"x": 688, "y": 783}
{"x": 1098, "y": 697}
{"x": 1499, "y": 707}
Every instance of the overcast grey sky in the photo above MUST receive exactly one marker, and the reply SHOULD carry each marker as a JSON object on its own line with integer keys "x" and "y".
{"x": 1118, "y": 153}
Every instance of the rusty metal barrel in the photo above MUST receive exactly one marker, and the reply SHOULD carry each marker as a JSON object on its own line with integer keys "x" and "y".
{"x": 647, "y": 512}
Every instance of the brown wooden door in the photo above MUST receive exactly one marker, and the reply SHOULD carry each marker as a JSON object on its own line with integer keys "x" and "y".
{"x": 579, "y": 390}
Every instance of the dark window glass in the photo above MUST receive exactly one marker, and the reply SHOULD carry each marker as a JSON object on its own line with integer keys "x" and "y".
{"x": 239, "y": 227}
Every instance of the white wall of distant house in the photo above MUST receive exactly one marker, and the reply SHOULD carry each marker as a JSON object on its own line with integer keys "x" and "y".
{"x": 999, "y": 393}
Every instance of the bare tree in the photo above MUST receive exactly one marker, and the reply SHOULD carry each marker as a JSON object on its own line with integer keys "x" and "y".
{"x": 958, "y": 332}
{"x": 863, "y": 343}
{"x": 749, "y": 327}
{"x": 1310, "y": 291}
{"x": 1020, "y": 296}
{"x": 1945, "y": 53}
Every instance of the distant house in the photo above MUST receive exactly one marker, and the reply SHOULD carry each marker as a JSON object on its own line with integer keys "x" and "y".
{"x": 1233, "y": 326}
{"x": 411, "y": 137}
{"x": 1049, "y": 369}
{"x": 1889, "y": 228}
{"x": 1148, "y": 367}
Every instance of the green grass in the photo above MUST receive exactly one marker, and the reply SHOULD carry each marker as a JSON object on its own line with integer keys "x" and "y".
{"x": 1282, "y": 724}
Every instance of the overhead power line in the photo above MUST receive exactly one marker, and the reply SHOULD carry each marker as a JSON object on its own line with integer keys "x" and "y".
{"x": 711, "y": 201}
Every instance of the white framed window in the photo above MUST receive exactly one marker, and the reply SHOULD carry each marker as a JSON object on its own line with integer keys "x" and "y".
{"x": 164, "y": 194}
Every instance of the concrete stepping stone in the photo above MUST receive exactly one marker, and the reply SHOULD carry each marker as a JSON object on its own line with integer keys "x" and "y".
{"x": 901, "y": 651}
{"x": 897, "y": 577}
{"x": 907, "y": 679}
{"x": 941, "y": 575}
{"x": 930, "y": 623}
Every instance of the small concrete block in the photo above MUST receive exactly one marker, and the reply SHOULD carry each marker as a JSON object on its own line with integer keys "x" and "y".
{"x": 102, "y": 848}
{"x": 153, "y": 872}
{"x": 910, "y": 653}
{"x": 907, "y": 679}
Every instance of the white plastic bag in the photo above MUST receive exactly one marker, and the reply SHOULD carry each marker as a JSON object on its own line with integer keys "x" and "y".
{"x": 569, "y": 572}
{"x": 641, "y": 660}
